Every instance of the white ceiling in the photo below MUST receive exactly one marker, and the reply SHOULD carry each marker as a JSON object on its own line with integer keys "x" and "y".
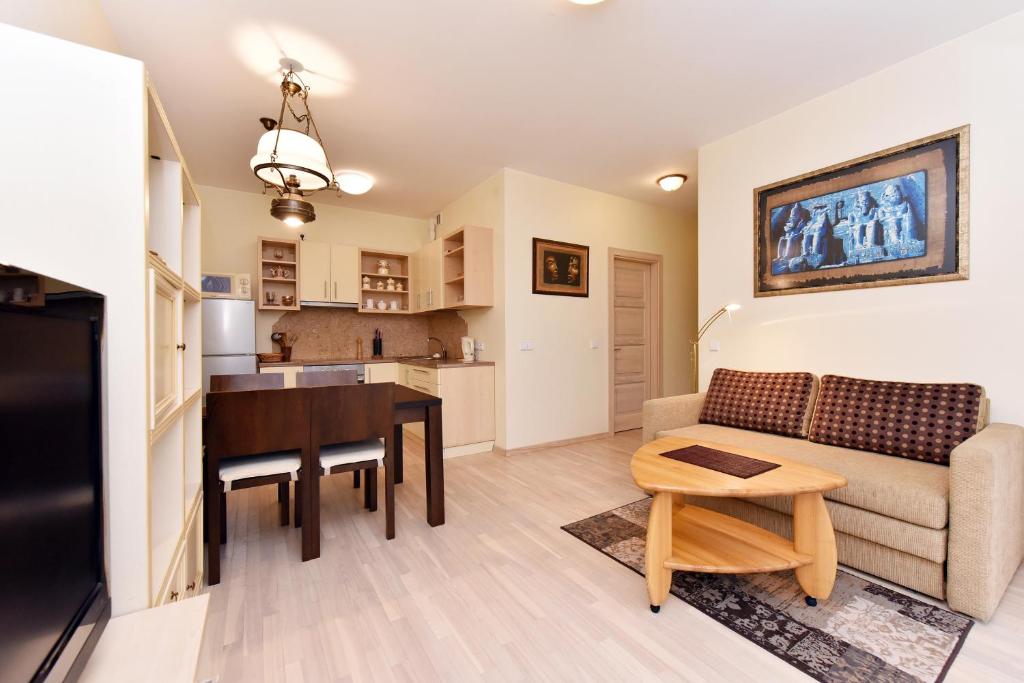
{"x": 432, "y": 96}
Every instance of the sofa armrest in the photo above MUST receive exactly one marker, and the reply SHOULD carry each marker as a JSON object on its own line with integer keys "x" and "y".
{"x": 986, "y": 518}
{"x": 671, "y": 412}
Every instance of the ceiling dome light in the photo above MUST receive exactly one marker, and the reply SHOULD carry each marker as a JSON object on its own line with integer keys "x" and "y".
{"x": 585, "y": 2}
{"x": 354, "y": 182}
{"x": 292, "y": 210}
{"x": 671, "y": 183}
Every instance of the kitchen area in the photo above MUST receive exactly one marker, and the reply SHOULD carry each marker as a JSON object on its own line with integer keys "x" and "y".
{"x": 386, "y": 315}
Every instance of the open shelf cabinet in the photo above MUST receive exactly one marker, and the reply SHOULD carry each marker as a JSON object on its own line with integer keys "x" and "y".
{"x": 279, "y": 274}
{"x": 385, "y": 277}
{"x": 467, "y": 269}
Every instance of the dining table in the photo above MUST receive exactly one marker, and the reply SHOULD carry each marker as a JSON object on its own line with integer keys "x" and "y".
{"x": 410, "y": 406}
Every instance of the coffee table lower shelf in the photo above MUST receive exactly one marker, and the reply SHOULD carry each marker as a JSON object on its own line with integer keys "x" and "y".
{"x": 710, "y": 542}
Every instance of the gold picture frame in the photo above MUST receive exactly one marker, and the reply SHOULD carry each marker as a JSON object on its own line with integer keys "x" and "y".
{"x": 915, "y": 231}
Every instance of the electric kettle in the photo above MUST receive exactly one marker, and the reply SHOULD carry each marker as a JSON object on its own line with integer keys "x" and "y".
{"x": 468, "y": 349}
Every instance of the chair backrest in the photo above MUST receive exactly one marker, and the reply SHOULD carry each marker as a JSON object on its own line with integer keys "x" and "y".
{"x": 327, "y": 378}
{"x": 252, "y": 422}
{"x": 270, "y": 380}
{"x": 342, "y": 414}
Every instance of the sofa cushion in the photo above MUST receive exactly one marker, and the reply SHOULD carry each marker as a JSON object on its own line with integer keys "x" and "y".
{"x": 912, "y": 491}
{"x": 773, "y": 402}
{"x": 916, "y": 421}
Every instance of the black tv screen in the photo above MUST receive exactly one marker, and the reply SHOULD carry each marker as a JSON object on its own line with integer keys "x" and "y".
{"x": 50, "y": 489}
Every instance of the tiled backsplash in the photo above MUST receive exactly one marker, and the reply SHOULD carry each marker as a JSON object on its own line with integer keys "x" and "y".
{"x": 322, "y": 333}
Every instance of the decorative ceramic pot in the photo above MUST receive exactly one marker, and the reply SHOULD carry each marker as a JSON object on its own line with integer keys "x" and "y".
{"x": 391, "y": 284}
{"x": 382, "y": 306}
{"x": 383, "y": 267}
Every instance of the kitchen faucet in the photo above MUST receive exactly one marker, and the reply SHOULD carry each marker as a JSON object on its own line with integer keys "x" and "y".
{"x": 444, "y": 351}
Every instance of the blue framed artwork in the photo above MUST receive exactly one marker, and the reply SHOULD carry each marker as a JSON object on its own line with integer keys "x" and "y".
{"x": 895, "y": 217}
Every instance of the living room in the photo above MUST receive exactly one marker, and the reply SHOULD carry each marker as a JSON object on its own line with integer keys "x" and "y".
{"x": 695, "y": 363}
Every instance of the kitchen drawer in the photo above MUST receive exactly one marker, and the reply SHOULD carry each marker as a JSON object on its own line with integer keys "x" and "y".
{"x": 427, "y": 375}
{"x": 425, "y": 387}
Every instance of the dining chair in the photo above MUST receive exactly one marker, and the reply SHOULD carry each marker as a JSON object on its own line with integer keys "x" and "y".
{"x": 326, "y": 378}
{"x": 270, "y": 380}
{"x": 253, "y": 438}
{"x": 351, "y": 428}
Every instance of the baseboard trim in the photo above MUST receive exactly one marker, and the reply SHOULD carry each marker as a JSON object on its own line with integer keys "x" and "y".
{"x": 556, "y": 444}
{"x": 456, "y": 451}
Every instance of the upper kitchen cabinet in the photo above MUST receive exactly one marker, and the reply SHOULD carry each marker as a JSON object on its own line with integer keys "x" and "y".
{"x": 385, "y": 282}
{"x": 330, "y": 273}
{"x": 428, "y": 286}
{"x": 279, "y": 274}
{"x": 467, "y": 270}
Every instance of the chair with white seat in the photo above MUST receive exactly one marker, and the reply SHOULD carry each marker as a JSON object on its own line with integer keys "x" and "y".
{"x": 253, "y": 438}
{"x": 352, "y": 428}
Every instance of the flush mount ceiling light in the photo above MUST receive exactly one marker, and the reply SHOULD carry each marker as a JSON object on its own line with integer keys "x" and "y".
{"x": 585, "y": 2}
{"x": 672, "y": 182}
{"x": 293, "y": 161}
{"x": 354, "y": 182}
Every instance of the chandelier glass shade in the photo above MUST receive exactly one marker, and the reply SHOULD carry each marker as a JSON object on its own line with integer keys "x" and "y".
{"x": 291, "y": 160}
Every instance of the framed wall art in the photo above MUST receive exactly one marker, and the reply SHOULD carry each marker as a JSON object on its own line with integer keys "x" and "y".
{"x": 560, "y": 268}
{"x": 895, "y": 217}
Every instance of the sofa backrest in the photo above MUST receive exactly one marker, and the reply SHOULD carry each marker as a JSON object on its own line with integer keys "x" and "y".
{"x": 773, "y": 402}
{"x": 908, "y": 420}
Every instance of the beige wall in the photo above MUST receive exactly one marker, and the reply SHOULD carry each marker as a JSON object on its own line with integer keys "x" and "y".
{"x": 233, "y": 221}
{"x": 485, "y": 205}
{"x": 969, "y": 330}
{"x": 80, "y": 21}
{"x": 559, "y": 390}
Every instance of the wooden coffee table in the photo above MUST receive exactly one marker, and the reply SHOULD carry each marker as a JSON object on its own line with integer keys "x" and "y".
{"x": 694, "y": 539}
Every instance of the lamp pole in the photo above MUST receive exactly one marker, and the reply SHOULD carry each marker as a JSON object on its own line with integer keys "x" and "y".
{"x": 727, "y": 309}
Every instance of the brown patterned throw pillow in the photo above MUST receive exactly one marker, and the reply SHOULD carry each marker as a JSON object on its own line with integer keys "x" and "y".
{"x": 773, "y": 402}
{"x": 916, "y": 421}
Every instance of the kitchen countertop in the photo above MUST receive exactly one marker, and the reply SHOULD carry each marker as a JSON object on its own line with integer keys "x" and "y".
{"x": 418, "y": 361}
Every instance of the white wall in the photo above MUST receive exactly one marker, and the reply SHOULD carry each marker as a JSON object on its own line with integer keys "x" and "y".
{"x": 484, "y": 205}
{"x": 80, "y": 21}
{"x": 560, "y": 389}
{"x": 233, "y": 221}
{"x": 89, "y": 230}
{"x": 967, "y": 330}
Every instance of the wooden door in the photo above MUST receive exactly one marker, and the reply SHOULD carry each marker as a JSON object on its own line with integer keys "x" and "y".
{"x": 315, "y": 278}
{"x": 632, "y": 330}
{"x": 345, "y": 276}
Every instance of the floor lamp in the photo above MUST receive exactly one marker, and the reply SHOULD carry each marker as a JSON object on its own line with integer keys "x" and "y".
{"x": 727, "y": 309}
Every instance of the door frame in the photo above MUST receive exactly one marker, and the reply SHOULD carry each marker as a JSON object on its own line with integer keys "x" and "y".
{"x": 656, "y": 263}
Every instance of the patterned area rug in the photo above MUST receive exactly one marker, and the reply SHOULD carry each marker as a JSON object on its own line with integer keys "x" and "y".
{"x": 863, "y": 632}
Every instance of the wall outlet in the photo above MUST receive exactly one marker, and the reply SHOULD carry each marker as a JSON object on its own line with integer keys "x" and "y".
{"x": 594, "y": 344}
{"x": 714, "y": 346}
{"x": 526, "y": 346}
{"x": 479, "y": 345}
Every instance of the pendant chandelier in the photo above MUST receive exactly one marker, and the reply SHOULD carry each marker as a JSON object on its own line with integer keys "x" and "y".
{"x": 293, "y": 161}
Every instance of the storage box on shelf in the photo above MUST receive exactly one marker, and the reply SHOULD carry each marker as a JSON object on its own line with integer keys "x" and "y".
{"x": 384, "y": 277}
{"x": 279, "y": 274}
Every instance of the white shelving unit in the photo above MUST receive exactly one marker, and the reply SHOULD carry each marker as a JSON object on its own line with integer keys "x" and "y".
{"x": 174, "y": 377}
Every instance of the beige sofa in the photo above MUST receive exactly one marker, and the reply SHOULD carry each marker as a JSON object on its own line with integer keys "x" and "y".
{"x": 952, "y": 532}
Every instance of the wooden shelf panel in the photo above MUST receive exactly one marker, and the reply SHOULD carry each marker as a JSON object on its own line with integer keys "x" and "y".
{"x": 397, "y": 277}
{"x": 707, "y": 541}
{"x": 275, "y": 262}
{"x": 388, "y": 312}
{"x": 289, "y": 280}
{"x": 383, "y": 291}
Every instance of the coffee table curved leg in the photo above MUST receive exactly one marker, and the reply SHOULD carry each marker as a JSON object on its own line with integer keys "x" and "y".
{"x": 659, "y": 549}
{"x": 813, "y": 535}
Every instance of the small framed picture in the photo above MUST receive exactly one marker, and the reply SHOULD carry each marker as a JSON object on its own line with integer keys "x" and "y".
{"x": 560, "y": 268}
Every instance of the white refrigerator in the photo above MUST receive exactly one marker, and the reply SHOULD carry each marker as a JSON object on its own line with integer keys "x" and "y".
{"x": 229, "y": 339}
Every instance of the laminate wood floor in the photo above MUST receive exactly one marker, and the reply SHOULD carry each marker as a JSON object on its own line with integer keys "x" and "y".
{"x": 499, "y": 593}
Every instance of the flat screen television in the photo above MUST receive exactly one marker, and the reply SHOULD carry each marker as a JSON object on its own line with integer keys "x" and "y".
{"x": 53, "y": 592}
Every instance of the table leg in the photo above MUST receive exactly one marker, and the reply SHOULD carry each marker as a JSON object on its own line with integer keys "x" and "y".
{"x": 389, "y": 488}
{"x": 813, "y": 535}
{"x": 659, "y": 549}
{"x": 309, "y": 476}
{"x": 434, "y": 458}
{"x": 212, "y": 506}
{"x": 399, "y": 454}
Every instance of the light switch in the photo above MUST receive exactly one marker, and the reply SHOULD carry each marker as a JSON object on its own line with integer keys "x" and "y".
{"x": 526, "y": 346}
{"x": 714, "y": 346}
{"x": 479, "y": 345}
{"x": 594, "y": 344}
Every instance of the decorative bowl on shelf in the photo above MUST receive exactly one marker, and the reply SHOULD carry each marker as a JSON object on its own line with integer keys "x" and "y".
{"x": 287, "y": 300}
{"x": 270, "y": 357}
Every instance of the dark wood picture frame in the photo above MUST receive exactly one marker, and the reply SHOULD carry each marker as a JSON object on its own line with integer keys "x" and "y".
{"x": 927, "y": 242}
{"x": 560, "y": 268}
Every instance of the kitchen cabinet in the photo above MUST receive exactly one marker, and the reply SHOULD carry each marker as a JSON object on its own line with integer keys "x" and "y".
{"x": 330, "y": 273}
{"x": 279, "y": 278}
{"x": 315, "y": 284}
{"x": 378, "y": 373}
{"x": 428, "y": 286}
{"x": 468, "y": 412}
{"x": 345, "y": 276}
{"x": 166, "y": 345}
{"x": 468, "y": 268}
